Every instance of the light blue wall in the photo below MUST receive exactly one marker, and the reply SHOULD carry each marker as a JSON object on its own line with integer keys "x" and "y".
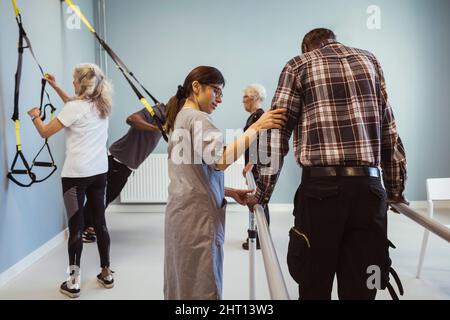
{"x": 29, "y": 217}
{"x": 250, "y": 41}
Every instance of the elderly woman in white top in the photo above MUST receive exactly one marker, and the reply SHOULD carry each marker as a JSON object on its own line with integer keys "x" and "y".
{"x": 84, "y": 119}
{"x": 254, "y": 96}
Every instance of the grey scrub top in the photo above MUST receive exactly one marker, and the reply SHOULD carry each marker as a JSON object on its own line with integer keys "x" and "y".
{"x": 195, "y": 212}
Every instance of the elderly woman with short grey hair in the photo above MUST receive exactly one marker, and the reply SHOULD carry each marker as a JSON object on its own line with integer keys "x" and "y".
{"x": 254, "y": 96}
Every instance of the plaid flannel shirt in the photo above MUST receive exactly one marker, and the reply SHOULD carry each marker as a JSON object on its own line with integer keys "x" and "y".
{"x": 339, "y": 111}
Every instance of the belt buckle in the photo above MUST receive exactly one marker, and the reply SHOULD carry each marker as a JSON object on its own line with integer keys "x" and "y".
{"x": 373, "y": 172}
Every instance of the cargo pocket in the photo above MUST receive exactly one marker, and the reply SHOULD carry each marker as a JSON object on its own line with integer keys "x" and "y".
{"x": 299, "y": 256}
{"x": 380, "y": 207}
{"x": 378, "y": 191}
{"x": 379, "y": 244}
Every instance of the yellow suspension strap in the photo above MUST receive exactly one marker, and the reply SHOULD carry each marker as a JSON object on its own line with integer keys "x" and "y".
{"x": 124, "y": 70}
{"x": 27, "y": 169}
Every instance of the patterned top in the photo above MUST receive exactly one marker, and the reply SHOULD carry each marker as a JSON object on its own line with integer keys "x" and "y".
{"x": 251, "y": 153}
{"x": 338, "y": 108}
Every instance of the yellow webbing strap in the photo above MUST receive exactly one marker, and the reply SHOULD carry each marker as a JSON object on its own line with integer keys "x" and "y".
{"x": 80, "y": 15}
{"x": 147, "y": 106}
{"x": 18, "y": 142}
{"x": 88, "y": 25}
{"x": 16, "y": 9}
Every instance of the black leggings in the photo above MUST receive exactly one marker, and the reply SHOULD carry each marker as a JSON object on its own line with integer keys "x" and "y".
{"x": 117, "y": 177}
{"x": 75, "y": 190}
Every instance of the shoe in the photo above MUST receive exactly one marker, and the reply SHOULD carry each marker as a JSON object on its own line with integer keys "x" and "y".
{"x": 246, "y": 243}
{"x": 71, "y": 287}
{"x": 89, "y": 237}
{"x": 108, "y": 281}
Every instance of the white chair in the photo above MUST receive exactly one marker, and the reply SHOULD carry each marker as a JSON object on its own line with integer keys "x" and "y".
{"x": 437, "y": 189}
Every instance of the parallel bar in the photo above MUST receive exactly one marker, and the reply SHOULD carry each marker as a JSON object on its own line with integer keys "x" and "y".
{"x": 251, "y": 248}
{"x": 430, "y": 224}
{"x": 251, "y": 245}
{"x": 252, "y": 256}
{"x": 277, "y": 285}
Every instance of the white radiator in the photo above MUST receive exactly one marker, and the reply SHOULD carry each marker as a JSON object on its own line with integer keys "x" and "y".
{"x": 149, "y": 183}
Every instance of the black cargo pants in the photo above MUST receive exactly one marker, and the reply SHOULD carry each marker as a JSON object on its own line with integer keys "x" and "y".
{"x": 340, "y": 228}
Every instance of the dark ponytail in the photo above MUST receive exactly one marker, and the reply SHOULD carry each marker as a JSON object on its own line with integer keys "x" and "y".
{"x": 204, "y": 75}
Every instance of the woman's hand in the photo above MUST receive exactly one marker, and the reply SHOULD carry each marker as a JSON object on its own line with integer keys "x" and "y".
{"x": 51, "y": 79}
{"x": 272, "y": 119}
{"x": 52, "y": 82}
{"x": 238, "y": 194}
{"x": 34, "y": 112}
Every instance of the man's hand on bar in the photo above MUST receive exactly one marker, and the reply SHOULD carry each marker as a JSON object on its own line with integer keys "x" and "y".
{"x": 398, "y": 200}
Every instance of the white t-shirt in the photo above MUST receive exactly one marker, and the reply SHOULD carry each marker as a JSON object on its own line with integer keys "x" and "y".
{"x": 86, "y": 135}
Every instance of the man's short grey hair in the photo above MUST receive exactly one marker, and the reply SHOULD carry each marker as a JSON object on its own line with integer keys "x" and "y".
{"x": 256, "y": 90}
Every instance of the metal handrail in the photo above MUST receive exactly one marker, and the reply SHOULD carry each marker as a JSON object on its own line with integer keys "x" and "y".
{"x": 275, "y": 279}
{"x": 430, "y": 224}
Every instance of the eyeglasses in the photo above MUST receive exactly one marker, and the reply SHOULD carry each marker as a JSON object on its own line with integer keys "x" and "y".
{"x": 217, "y": 90}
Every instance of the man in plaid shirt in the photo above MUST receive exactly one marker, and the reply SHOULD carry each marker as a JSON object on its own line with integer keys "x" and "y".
{"x": 344, "y": 130}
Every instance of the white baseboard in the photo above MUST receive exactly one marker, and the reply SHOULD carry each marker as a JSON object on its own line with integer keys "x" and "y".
{"x": 424, "y": 204}
{"x": 418, "y": 204}
{"x": 136, "y": 208}
{"x": 32, "y": 258}
{"x": 441, "y": 204}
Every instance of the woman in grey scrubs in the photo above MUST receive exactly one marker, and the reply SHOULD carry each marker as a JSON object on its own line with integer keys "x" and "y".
{"x": 195, "y": 212}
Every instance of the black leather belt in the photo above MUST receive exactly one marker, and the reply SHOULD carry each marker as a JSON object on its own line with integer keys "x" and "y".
{"x": 343, "y": 171}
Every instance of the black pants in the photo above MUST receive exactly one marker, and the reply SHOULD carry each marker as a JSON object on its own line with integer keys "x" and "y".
{"x": 340, "y": 228}
{"x": 75, "y": 190}
{"x": 117, "y": 177}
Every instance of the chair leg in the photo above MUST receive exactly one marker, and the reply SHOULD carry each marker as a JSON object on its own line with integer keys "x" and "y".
{"x": 426, "y": 233}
